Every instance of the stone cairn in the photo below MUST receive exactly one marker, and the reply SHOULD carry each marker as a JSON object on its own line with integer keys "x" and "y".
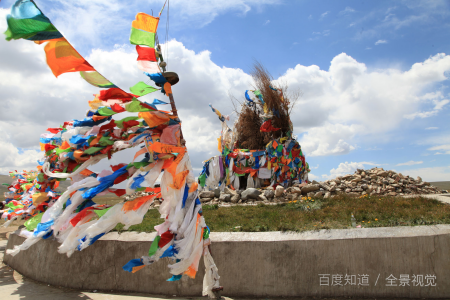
{"x": 373, "y": 182}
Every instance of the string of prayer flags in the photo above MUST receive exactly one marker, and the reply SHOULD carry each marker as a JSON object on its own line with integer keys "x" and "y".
{"x": 72, "y": 217}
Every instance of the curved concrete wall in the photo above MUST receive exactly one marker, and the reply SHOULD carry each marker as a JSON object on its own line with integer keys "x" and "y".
{"x": 269, "y": 264}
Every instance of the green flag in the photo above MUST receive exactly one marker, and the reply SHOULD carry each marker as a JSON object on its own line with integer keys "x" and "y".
{"x": 119, "y": 123}
{"x": 106, "y": 111}
{"x": 154, "y": 246}
{"x": 142, "y": 89}
{"x": 93, "y": 150}
{"x": 100, "y": 213}
{"x": 140, "y": 37}
{"x": 135, "y": 106}
{"x": 32, "y": 223}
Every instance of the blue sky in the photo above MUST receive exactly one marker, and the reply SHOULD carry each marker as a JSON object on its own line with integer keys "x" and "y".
{"x": 374, "y": 74}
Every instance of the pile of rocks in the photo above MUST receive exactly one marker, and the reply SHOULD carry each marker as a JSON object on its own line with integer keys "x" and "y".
{"x": 375, "y": 181}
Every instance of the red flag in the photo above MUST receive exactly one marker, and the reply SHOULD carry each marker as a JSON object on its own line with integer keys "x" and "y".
{"x": 267, "y": 127}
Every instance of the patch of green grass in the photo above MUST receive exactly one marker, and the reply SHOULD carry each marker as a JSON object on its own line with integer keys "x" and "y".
{"x": 315, "y": 214}
{"x": 309, "y": 214}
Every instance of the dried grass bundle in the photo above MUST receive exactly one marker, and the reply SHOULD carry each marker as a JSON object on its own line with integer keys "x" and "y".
{"x": 249, "y": 122}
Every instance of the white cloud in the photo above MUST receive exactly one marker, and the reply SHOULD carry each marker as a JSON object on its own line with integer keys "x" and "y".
{"x": 444, "y": 148}
{"x": 382, "y": 22}
{"x": 13, "y": 159}
{"x": 430, "y": 174}
{"x": 373, "y": 149}
{"x": 392, "y": 21}
{"x": 422, "y": 115}
{"x": 311, "y": 176}
{"x": 267, "y": 22}
{"x": 441, "y": 104}
{"x": 437, "y": 99}
{"x": 380, "y": 42}
{"x": 86, "y": 22}
{"x": 328, "y": 139}
{"x": 431, "y": 128}
{"x": 348, "y": 100}
{"x": 348, "y": 168}
{"x": 347, "y": 10}
{"x": 410, "y": 163}
{"x": 324, "y": 15}
{"x": 326, "y": 32}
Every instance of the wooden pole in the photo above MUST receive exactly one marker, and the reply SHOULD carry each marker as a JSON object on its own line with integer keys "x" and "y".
{"x": 168, "y": 90}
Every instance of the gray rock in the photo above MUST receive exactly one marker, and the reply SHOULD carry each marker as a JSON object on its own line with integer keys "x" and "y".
{"x": 216, "y": 192}
{"x": 279, "y": 199}
{"x": 204, "y": 200}
{"x": 293, "y": 190}
{"x": 327, "y": 195}
{"x": 250, "y": 193}
{"x": 357, "y": 178}
{"x": 310, "y": 188}
{"x": 290, "y": 197}
{"x": 318, "y": 195}
{"x": 235, "y": 198}
{"x": 263, "y": 198}
{"x": 383, "y": 173}
{"x": 279, "y": 191}
{"x": 225, "y": 197}
{"x": 269, "y": 194}
{"x": 229, "y": 191}
{"x": 325, "y": 186}
{"x": 206, "y": 194}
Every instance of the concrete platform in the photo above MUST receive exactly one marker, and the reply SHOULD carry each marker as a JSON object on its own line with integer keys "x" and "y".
{"x": 444, "y": 198}
{"x": 325, "y": 263}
